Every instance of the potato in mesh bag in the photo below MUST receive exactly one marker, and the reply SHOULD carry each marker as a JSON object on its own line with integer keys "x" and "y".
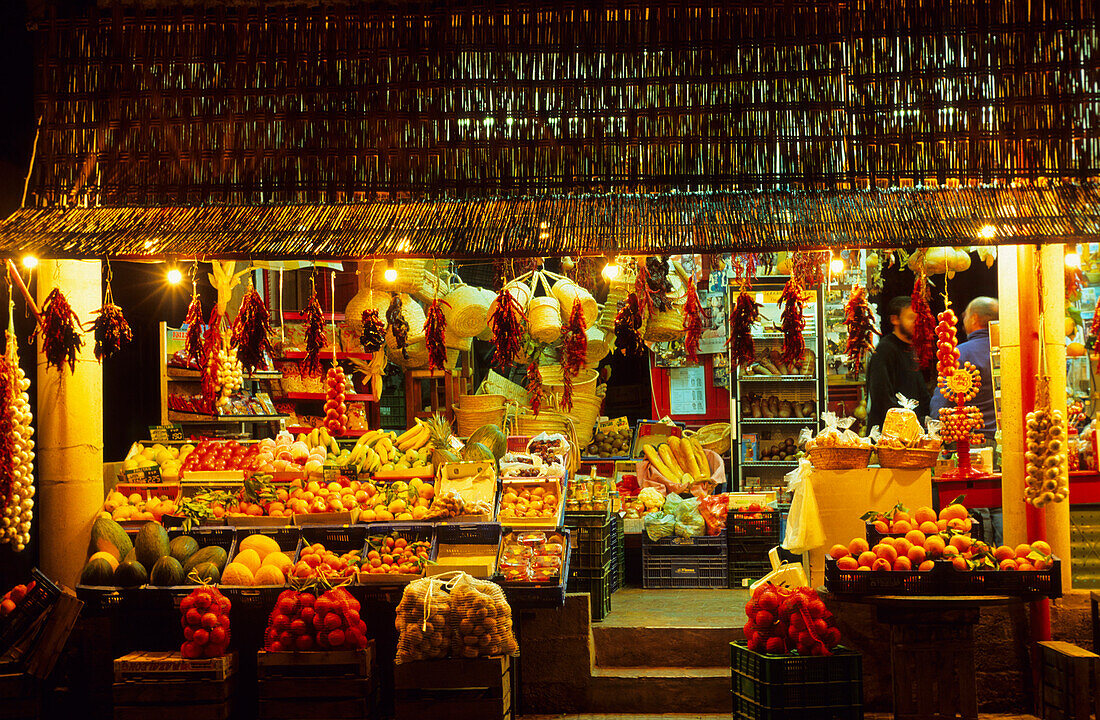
{"x": 483, "y": 619}
{"x": 424, "y": 621}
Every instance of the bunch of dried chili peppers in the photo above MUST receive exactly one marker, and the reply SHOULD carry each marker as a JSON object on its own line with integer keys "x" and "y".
{"x": 251, "y": 332}
{"x": 628, "y": 328}
{"x": 59, "y": 328}
{"x": 746, "y": 313}
{"x": 506, "y": 321}
{"x": 924, "y": 329}
{"x": 859, "y": 321}
{"x": 574, "y": 352}
{"x": 192, "y": 345}
{"x": 435, "y": 328}
{"x": 793, "y": 322}
{"x": 374, "y": 331}
{"x": 693, "y": 322}
{"x": 315, "y": 335}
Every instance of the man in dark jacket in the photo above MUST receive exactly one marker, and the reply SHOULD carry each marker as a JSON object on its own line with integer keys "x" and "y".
{"x": 893, "y": 367}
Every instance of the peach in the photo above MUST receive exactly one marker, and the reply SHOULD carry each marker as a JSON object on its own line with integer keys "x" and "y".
{"x": 941, "y": 524}
{"x": 864, "y": 567}
{"x": 1007, "y": 564}
{"x": 903, "y": 516}
{"x": 901, "y": 526}
{"x": 929, "y": 527}
{"x": 916, "y": 555}
{"x": 847, "y": 563}
{"x": 934, "y": 546}
{"x": 886, "y": 552}
{"x": 902, "y": 546}
{"x": 1041, "y": 547}
{"x": 838, "y": 551}
{"x": 923, "y": 515}
{"x": 1023, "y": 566}
{"x": 915, "y": 537}
{"x": 1043, "y": 564}
{"x": 867, "y": 558}
{"x": 881, "y": 564}
{"x": 881, "y": 527}
{"x": 950, "y": 551}
{"x": 903, "y": 564}
{"x": 1004, "y": 552}
{"x": 857, "y": 546}
{"x": 927, "y": 565}
{"x": 958, "y": 525}
{"x": 886, "y": 541}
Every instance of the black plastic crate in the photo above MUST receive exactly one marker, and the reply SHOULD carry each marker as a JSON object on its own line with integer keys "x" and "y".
{"x": 488, "y": 534}
{"x": 844, "y": 665}
{"x": 944, "y": 579}
{"x": 781, "y": 696}
{"x": 754, "y": 524}
{"x": 600, "y": 592}
{"x": 538, "y": 594}
{"x": 692, "y": 562}
{"x": 745, "y": 709}
{"x": 411, "y": 533}
{"x": 593, "y": 546}
{"x": 587, "y": 518}
{"x": 748, "y": 559}
{"x": 874, "y": 537}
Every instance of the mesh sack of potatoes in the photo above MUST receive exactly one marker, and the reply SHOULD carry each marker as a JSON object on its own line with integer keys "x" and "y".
{"x": 424, "y": 621}
{"x": 482, "y": 619}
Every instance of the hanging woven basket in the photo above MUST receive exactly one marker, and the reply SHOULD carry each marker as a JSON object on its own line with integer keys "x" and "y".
{"x": 567, "y": 293}
{"x": 543, "y": 311}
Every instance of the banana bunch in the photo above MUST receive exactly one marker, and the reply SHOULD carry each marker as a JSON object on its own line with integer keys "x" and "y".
{"x": 415, "y": 437}
{"x": 380, "y": 450}
{"x": 320, "y": 437}
{"x": 680, "y": 460}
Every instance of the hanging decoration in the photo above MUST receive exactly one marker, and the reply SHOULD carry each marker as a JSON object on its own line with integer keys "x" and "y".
{"x": 947, "y": 351}
{"x": 808, "y": 268}
{"x": 573, "y": 353}
{"x": 212, "y": 344}
{"x": 746, "y": 313}
{"x": 59, "y": 327}
{"x": 652, "y": 284}
{"x": 628, "y": 328}
{"x": 506, "y": 322}
{"x": 110, "y": 329}
{"x": 859, "y": 321}
{"x": 336, "y": 409}
{"x": 315, "y": 333}
{"x": 435, "y": 338}
{"x": 399, "y": 326}
{"x": 924, "y": 329}
{"x": 192, "y": 344}
{"x": 374, "y": 332}
{"x": 252, "y": 331}
{"x": 793, "y": 322}
{"x": 535, "y": 392}
{"x": 16, "y": 447}
{"x": 693, "y": 321}
{"x": 1047, "y": 461}
{"x": 744, "y": 267}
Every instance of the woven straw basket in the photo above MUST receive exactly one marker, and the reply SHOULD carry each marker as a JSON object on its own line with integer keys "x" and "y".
{"x": 585, "y": 412}
{"x": 714, "y": 437}
{"x": 417, "y": 351}
{"x": 467, "y": 420}
{"x": 598, "y": 347}
{"x": 432, "y": 286}
{"x": 583, "y": 384}
{"x": 518, "y": 290}
{"x": 468, "y": 313}
{"x": 567, "y": 293}
{"x": 665, "y": 325}
{"x": 544, "y": 319}
{"x": 481, "y": 402}
{"x": 840, "y": 458}
{"x": 410, "y": 274}
{"x": 889, "y": 457}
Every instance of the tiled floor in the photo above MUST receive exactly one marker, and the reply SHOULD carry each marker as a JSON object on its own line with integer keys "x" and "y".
{"x": 634, "y": 607}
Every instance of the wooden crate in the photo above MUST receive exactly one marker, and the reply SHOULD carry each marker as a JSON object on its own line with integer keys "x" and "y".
{"x": 456, "y": 689}
{"x": 1070, "y": 688}
{"x": 317, "y": 684}
{"x": 161, "y": 666}
{"x": 165, "y": 686}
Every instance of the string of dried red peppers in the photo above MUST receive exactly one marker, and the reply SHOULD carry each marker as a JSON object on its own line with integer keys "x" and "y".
{"x": 652, "y": 284}
{"x": 59, "y": 329}
{"x": 924, "y": 330}
{"x": 859, "y": 321}
{"x": 506, "y": 320}
{"x": 744, "y": 268}
{"x": 693, "y": 322}
{"x": 315, "y": 335}
{"x": 574, "y": 352}
{"x": 746, "y": 313}
{"x": 1094, "y": 327}
{"x": 534, "y": 384}
{"x": 111, "y": 331}
{"x": 212, "y": 341}
{"x": 793, "y": 322}
{"x": 251, "y": 332}
{"x": 399, "y": 326}
{"x": 628, "y": 328}
{"x": 374, "y": 331}
{"x": 192, "y": 344}
{"x": 435, "y": 328}
{"x": 808, "y": 268}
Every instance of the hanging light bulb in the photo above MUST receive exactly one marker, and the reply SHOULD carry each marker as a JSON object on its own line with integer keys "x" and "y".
{"x": 610, "y": 268}
{"x": 987, "y": 232}
{"x": 1073, "y": 258}
{"x": 391, "y": 271}
{"x": 30, "y": 262}
{"x": 836, "y": 266}
{"x": 175, "y": 277}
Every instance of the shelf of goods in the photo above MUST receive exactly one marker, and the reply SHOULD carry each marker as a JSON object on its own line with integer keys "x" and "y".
{"x": 176, "y": 380}
{"x": 770, "y": 405}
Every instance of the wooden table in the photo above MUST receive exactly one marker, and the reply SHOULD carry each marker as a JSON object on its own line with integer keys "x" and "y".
{"x": 932, "y": 651}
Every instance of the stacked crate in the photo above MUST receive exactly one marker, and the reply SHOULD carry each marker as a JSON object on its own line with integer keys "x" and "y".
{"x": 164, "y": 686}
{"x": 322, "y": 684}
{"x": 618, "y": 561}
{"x": 796, "y": 687}
{"x": 685, "y": 562}
{"x": 591, "y": 559}
{"x": 457, "y": 689}
{"x": 751, "y": 534}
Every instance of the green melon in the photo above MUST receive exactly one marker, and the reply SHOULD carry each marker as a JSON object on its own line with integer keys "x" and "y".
{"x": 167, "y": 571}
{"x": 97, "y": 572}
{"x": 130, "y": 556}
{"x": 476, "y": 452}
{"x": 131, "y": 574}
{"x": 151, "y": 543}
{"x": 182, "y": 548}
{"x": 210, "y": 554}
{"x": 491, "y": 437}
{"x": 108, "y": 536}
{"x": 206, "y": 573}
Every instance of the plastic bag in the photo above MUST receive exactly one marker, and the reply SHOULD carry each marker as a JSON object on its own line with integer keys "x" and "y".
{"x": 901, "y": 422}
{"x": 648, "y": 476}
{"x": 804, "y": 529}
{"x": 204, "y": 615}
{"x": 659, "y": 525}
{"x": 714, "y": 510}
{"x": 689, "y": 521}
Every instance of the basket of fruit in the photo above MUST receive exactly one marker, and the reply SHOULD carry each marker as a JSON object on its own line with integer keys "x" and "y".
{"x": 906, "y": 458}
{"x": 839, "y": 458}
{"x": 836, "y": 447}
{"x": 611, "y": 443}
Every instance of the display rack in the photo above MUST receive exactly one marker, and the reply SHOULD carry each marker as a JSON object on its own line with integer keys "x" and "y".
{"x": 754, "y": 473}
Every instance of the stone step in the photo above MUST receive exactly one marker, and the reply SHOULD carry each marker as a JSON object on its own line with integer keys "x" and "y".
{"x": 641, "y": 647}
{"x": 655, "y": 690}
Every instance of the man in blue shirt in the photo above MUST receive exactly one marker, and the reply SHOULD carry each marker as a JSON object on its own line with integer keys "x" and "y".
{"x": 975, "y": 350}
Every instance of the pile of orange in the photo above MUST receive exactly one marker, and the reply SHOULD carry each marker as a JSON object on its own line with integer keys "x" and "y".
{"x": 898, "y": 521}
{"x": 393, "y": 555}
{"x": 916, "y": 551}
{"x": 317, "y": 561}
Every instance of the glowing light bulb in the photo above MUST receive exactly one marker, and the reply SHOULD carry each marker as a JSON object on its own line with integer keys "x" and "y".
{"x": 1073, "y": 259}
{"x": 987, "y": 232}
{"x": 836, "y": 266}
{"x": 30, "y": 262}
{"x": 390, "y": 275}
{"x": 611, "y": 270}
{"x": 175, "y": 277}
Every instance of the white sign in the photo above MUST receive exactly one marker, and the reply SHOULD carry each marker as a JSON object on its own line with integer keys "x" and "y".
{"x": 687, "y": 391}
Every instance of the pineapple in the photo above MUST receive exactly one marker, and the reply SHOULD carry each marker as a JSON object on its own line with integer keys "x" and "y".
{"x": 439, "y": 432}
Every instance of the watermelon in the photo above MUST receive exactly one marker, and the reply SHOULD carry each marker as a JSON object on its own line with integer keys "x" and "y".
{"x": 131, "y": 574}
{"x": 151, "y": 543}
{"x": 167, "y": 571}
{"x": 97, "y": 572}
{"x": 491, "y": 437}
{"x": 206, "y": 573}
{"x": 182, "y": 548}
{"x": 108, "y": 536}
{"x": 209, "y": 554}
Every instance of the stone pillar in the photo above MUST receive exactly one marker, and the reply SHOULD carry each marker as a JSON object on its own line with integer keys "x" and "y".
{"x": 70, "y": 430}
{"x": 1011, "y": 420}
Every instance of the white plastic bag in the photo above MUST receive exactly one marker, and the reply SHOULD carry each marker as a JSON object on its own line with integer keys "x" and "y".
{"x": 804, "y": 529}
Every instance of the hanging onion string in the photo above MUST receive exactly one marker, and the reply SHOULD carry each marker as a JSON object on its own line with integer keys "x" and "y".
{"x": 374, "y": 332}
{"x": 58, "y": 327}
{"x": 315, "y": 335}
{"x": 435, "y": 327}
{"x": 399, "y": 326}
{"x": 251, "y": 332}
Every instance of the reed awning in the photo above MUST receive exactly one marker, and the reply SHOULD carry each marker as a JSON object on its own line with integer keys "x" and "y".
{"x": 566, "y": 225}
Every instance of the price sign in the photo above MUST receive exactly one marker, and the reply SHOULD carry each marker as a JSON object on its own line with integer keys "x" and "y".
{"x": 164, "y": 433}
{"x": 334, "y": 473}
{"x": 614, "y": 426}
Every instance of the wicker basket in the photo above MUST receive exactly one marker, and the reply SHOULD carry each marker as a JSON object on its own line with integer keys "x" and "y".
{"x": 432, "y": 286}
{"x": 583, "y": 384}
{"x": 518, "y": 290}
{"x": 544, "y": 319}
{"x": 568, "y": 292}
{"x": 417, "y": 352}
{"x": 468, "y": 311}
{"x": 911, "y": 458}
{"x": 664, "y": 325}
{"x": 410, "y": 274}
{"x": 585, "y": 412}
{"x": 840, "y": 458}
{"x": 598, "y": 347}
{"x": 714, "y": 437}
{"x": 467, "y": 421}
{"x": 481, "y": 402}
